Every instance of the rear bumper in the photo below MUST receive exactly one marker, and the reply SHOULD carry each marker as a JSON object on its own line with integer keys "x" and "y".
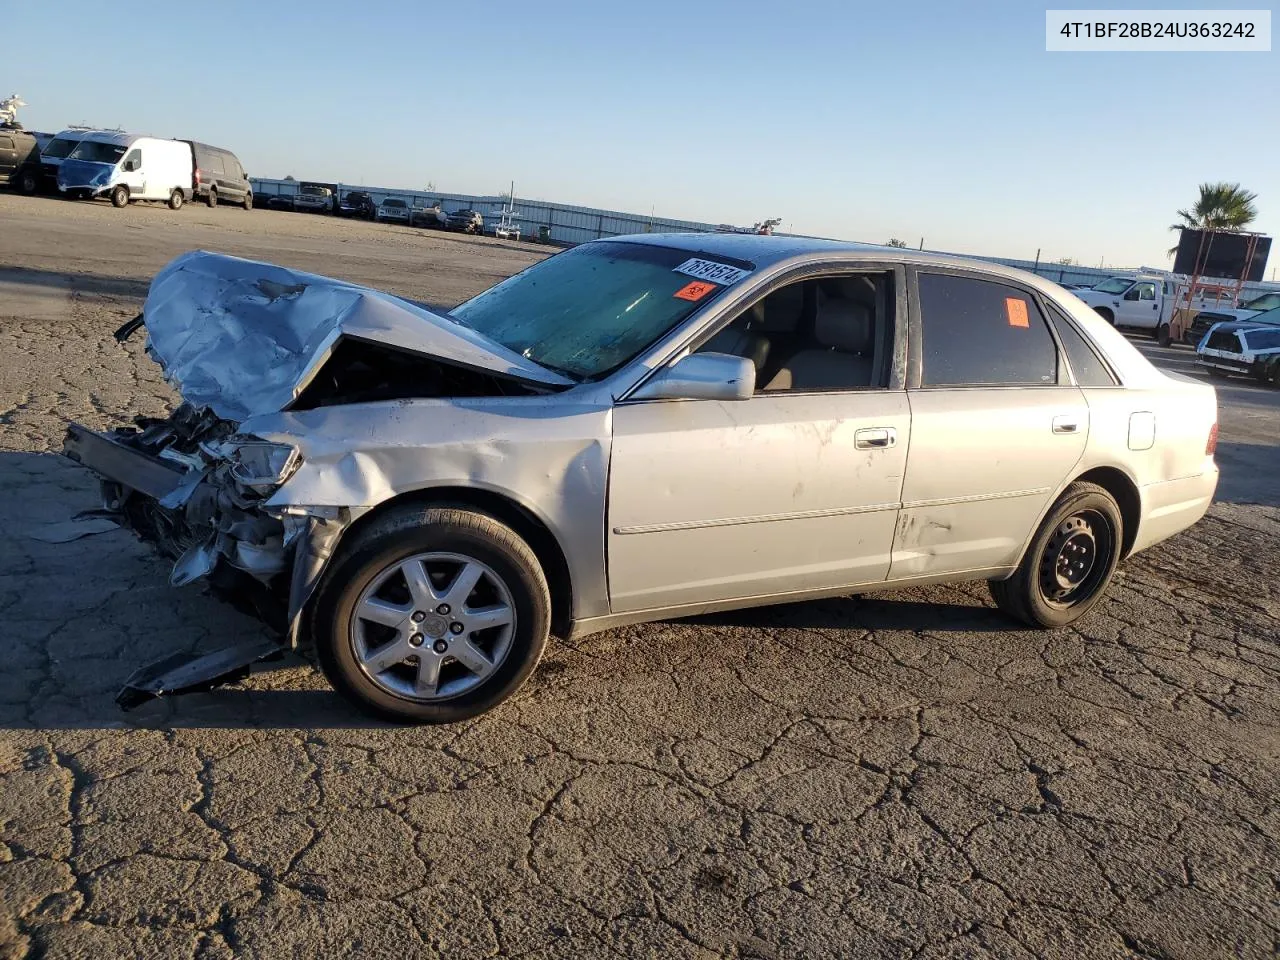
{"x": 1172, "y": 506}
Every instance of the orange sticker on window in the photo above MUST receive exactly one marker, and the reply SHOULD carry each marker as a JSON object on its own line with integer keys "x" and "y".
{"x": 694, "y": 291}
{"x": 1016, "y": 310}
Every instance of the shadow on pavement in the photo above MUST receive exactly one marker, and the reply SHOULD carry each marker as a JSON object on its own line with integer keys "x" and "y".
{"x": 1250, "y": 473}
{"x": 75, "y": 282}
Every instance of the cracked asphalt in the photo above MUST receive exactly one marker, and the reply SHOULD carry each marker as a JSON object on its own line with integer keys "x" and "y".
{"x": 896, "y": 775}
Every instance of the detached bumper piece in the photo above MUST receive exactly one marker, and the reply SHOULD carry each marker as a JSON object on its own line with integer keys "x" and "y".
{"x": 194, "y": 672}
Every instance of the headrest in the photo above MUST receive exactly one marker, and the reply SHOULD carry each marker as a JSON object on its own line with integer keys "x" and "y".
{"x": 844, "y": 324}
{"x": 780, "y": 311}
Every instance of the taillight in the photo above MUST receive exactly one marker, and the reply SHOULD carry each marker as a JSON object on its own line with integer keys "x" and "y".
{"x": 1212, "y": 443}
{"x": 197, "y": 176}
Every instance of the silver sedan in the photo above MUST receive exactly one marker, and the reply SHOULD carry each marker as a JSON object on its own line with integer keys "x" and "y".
{"x": 633, "y": 429}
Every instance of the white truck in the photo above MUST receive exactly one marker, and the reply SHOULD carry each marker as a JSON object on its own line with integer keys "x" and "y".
{"x": 1151, "y": 302}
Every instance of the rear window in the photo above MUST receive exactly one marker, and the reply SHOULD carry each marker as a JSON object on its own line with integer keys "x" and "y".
{"x": 979, "y": 332}
{"x": 1223, "y": 340}
{"x": 1263, "y": 339}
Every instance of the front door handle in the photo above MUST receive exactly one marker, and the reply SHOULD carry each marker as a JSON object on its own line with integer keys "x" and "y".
{"x": 875, "y": 438}
{"x": 1066, "y": 424}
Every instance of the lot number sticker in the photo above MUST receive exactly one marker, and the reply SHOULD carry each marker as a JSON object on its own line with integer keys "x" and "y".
{"x": 711, "y": 271}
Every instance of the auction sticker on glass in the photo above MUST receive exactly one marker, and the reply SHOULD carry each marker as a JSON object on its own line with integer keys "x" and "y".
{"x": 1156, "y": 31}
{"x": 710, "y": 270}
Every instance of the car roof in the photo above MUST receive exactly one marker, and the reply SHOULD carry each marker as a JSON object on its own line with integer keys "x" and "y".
{"x": 767, "y": 251}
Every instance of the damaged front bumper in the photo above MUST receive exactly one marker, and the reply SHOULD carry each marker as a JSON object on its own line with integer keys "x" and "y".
{"x": 196, "y": 490}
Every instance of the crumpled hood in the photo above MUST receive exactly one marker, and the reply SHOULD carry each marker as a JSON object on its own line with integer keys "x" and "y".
{"x": 84, "y": 173}
{"x": 244, "y": 338}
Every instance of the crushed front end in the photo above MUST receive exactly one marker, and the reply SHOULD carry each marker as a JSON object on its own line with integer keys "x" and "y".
{"x": 195, "y": 488}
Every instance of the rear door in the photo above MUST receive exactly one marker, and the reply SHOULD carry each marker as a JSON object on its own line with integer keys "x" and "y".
{"x": 8, "y": 156}
{"x": 996, "y": 425}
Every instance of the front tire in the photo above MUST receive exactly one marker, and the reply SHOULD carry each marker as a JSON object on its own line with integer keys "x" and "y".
{"x": 1070, "y": 561}
{"x": 431, "y": 615}
{"x": 176, "y": 199}
{"x": 120, "y": 196}
{"x": 1106, "y": 315}
{"x": 28, "y": 181}
{"x": 248, "y": 200}
{"x": 1162, "y": 335}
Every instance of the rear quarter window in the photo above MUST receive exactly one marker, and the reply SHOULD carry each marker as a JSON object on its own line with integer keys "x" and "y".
{"x": 1087, "y": 366}
{"x": 982, "y": 332}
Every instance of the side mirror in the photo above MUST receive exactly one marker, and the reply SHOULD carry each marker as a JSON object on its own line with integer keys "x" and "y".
{"x": 702, "y": 376}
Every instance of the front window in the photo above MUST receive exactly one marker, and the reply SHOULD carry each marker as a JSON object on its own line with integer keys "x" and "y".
{"x": 59, "y": 148}
{"x": 96, "y": 152}
{"x": 314, "y": 191}
{"x": 593, "y": 308}
{"x": 1114, "y": 285}
{"x": 393, "y": 203}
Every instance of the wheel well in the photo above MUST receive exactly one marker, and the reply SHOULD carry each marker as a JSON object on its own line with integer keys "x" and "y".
{"x": 1126, "y": 495}
{"x": 535, "y": 533}
{"x": 1103, "y": 311}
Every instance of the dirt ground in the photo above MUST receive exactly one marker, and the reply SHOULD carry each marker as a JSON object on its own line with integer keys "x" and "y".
{"x": 897, "y": 775}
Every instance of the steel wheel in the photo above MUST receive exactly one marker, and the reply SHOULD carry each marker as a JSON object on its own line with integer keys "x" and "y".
{"x": 1070, "y": 566}
{"x": 433, "y": 626}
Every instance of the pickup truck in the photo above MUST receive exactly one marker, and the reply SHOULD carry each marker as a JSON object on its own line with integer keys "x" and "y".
{"x": 1145, "y": 303}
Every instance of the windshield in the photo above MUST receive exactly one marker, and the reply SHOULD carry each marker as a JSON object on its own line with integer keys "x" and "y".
{"x": 314, "y": 191}
{"x": 592, "y": 308}
{"x": 1270, "y": 317}
{"x": 96, "y": 152}
{"x": 393, "y": 203}
{"x": 1114, "y": 285}
{"x": 58, "y": 148}
{"x": 1268, "y": 301}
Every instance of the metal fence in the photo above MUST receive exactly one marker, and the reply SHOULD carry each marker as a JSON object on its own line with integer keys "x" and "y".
{"x": 566, "y": 225}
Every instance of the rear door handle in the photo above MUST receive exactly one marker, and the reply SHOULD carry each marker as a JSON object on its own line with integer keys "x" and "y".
{"x": 875, "y": 438}
{"x": 1066, "y": 424}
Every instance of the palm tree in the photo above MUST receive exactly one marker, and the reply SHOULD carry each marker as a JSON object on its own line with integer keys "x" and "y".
{"x": 1222, "y": 206}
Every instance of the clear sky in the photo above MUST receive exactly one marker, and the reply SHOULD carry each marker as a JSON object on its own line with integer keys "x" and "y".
{"x": 861, "y": 121}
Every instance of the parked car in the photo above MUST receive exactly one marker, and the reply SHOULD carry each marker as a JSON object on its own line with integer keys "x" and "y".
{"x": 1145, "y": 302}
{"x": 54, "y": 152}
{"x": 218, "y": 176}
{"x": 280, "y": 201}
{"x": 19, "y": 159}
{"x": 422, "y": 497}
{"x": 125, "y": 167}
{"x": 393, "y": 209}
{"x": 359, "y": 204}
{"x": 1225, "y": 313}
{"x": 313, "y": 199}
{"x": 466, "y": 221}
{"x": 428, "y": 216}
{"x": 1249, "y": 347}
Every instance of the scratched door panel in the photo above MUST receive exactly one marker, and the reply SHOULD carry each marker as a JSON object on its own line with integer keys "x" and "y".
{"x": 713, "y": 500}
{"x": 982, "y": 467}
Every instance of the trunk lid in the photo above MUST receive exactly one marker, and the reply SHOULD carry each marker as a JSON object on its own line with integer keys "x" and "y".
{"x": 244, "y": 338}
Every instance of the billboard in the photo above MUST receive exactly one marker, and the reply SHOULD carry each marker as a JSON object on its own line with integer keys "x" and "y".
{"x": 1223, "y": 255}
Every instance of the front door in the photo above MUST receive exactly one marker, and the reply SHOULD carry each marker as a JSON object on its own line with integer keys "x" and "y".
{"x": 794, "y": 489}
{"x": 1139, "y": 307}
{"x": 133, "y": 173}
{"x": 997, "y": 428}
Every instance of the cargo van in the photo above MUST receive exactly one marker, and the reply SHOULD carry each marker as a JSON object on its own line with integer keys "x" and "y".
{"x": 126, "y": 167}
{"x": 218, "y": 176}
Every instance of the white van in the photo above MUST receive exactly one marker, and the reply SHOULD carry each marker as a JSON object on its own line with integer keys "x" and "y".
{"x": 126, "y": 167}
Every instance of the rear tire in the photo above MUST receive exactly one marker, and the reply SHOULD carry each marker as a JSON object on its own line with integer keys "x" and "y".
{"x": 1070, "y": 561}
{"x": 176, "y": 199}
{"x": 211, "y": 197}
{"x": 120, "y": 196}
{"x": 439, "y": 543}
